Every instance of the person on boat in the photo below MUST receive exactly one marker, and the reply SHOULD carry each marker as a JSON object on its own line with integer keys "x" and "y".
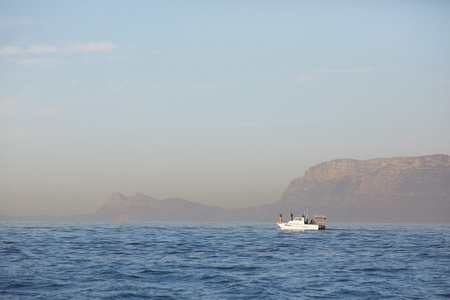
{"x": 292, "y": 216}
{"x": 313, "y": 222}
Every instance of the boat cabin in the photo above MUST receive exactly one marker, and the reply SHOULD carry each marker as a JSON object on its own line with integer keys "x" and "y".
{"x": 300, "y": 220}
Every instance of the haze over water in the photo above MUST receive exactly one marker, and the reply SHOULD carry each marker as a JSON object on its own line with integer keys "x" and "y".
{"x": 221, "y": 103}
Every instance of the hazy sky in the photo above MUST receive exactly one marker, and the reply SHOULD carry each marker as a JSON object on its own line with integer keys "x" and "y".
{"x": 217, "y": 102}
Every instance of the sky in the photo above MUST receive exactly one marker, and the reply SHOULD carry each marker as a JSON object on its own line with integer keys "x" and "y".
{"x": 217, "y": 102}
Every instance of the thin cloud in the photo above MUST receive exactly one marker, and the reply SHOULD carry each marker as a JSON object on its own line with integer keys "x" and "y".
{"x": 345, "y": 71}
{"x": 315, "y": 75}
{"x": 39, "y": 49}
{"x": 203, "y": 87}
{"x": 11, "y": 50}
{"x": 72, "y": 48}
{"x": 90, "y": 47}
{"x": 35, "y": 49}
{"x": 305, "y": 77}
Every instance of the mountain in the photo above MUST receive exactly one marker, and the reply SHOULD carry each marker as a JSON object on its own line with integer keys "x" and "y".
{"x": 397, "y": 190}
{"x": 141, "y": 208}
{"x": 402, "y": 189}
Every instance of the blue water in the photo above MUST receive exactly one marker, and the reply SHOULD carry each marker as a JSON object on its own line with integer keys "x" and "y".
{"x": 222, "y": 261}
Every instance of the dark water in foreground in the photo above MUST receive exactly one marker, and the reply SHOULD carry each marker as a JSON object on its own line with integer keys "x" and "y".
{"x": 222, "y": 261}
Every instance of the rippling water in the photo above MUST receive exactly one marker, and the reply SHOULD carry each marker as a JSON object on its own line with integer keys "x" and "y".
{"x": 222, "y": 261}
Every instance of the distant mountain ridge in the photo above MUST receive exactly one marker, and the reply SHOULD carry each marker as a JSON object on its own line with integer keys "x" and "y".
{"x": 141, "y": 208}
{"x": 401, "y": 189}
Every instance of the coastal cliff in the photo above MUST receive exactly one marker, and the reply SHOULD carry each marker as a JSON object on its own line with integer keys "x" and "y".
{"x": 402, "y": 189}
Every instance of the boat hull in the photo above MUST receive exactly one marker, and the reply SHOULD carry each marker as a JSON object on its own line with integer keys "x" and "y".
{"x": 290, "y": 226}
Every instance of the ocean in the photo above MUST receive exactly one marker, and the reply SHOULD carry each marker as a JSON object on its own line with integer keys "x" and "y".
{"x": 223, "y": 261}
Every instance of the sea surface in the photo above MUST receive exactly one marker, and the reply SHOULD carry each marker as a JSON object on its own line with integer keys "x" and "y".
{"x": 223, "y": 261}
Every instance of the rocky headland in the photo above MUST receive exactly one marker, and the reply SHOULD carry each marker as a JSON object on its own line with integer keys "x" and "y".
{"x": 401, "y": 189}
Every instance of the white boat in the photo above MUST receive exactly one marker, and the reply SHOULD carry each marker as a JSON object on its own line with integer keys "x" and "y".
{"x": 301, "y": 223}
